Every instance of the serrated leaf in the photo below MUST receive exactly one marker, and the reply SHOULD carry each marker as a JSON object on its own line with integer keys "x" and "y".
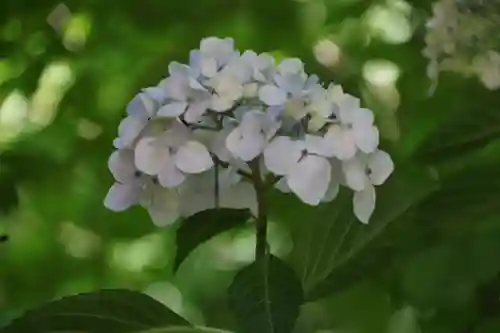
{"x": 186, "y": 329}
{"x": 266, "y": 297}
{"x": 333, "y": 250}
{"x": 113, "y": 310}
{"x": 204, "y": 225}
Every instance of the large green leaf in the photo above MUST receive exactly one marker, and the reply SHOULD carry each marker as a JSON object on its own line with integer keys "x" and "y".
{"x": 441, "y": 127}
{"x": 266, "y": 297}
{"x": 204, "y": 225}
{"x": 332, "y": 250}
{"x": 448, "y": 275}
{"x": 114, "y": 310}
{"x": 186, "y": 329}
{"x": 468, "y": 197}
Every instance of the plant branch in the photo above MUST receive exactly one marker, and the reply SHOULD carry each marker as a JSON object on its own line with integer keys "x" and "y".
{"x": 261, "y": 222}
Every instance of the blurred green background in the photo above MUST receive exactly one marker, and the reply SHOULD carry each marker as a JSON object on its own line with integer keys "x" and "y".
{"x": 67, "y": 71}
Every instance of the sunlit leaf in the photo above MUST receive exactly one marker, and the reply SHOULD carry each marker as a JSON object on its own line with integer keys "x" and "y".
{"x": 114, "y": 310}
{"x": 204, "y": 225}
{"x": 266, "y": 297}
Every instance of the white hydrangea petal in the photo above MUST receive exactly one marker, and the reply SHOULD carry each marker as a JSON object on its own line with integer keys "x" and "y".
{"x": 158, "y": 93}
{"x": 196, "y": 85}
{"x": 293, "y": 84}
{"x": 221, "y": 103}
{"x": 364, "y": 204}
{"x": 282, "y": 185}
{"x": 218, "y": 48}
{"x": 149, "y": 157}
{"x": 246, "y": 148}
{"x": 176, "y": 68}
{"x": 170, "y": 176}
{"x": 366, "y": 137}
{"x": 172, "y": 110}
{"x": 121, "y": 165}
{"x": 219, "y": 147}
{"x": 141, "y": 106}
{"x": 332, "y": 192}
{"x": 355, "y": 174}
{"x": 281, "y": 155}
{"x": 194, "y": 112}
{"x": 208, "y": 67}
{"x": 317, "y": 145}
{"x": 193, "y": 157}
{"x": 253, "y": 122}
{"x": 195, "y": 63}
{"x": 175, "y": 136}
{"x": 309, "y": 179}
{"x": 129, "y": 129}
{"x": 316, "y": 122}
{"x": 380, "y": 167}
{"x": 120, "y": 197}
{"x": 291, "y": 66}
{"x": 340, "y": 143}
{"x": 177, "y": 87}
{"x": 347, "y": 109}
{"x": 362, "y": 117}
{"x": 312, "y": 82}
{"x": 272, "y": 95}
{"x": 162, "y": 205}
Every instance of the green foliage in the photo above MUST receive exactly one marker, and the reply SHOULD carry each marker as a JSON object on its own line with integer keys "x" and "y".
{"x": 432, "y": 245}
{"x": 186, "y": 329}
{"x": 266, "y": 296}
{"x": 204, "y": 225}
{"x": 334, "y": 251}
{"x": 101, "y": 311}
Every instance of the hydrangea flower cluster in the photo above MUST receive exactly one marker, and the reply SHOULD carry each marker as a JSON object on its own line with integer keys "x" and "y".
{"x": 188, "y": 144}
{"x": 462, "y": 36}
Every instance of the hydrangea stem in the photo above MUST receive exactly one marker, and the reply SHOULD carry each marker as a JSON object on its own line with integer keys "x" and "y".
{"x": 261, "y": 222}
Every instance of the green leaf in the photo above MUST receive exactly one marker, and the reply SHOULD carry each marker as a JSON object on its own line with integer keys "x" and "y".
{"x": 333, "y": 250}
{"x": 266, "y": 297}
{"x": 448, "y": 275}
{"x": 186, "y": 329}
{"x": 468, "y": 196}
{"x": 113, "y": 310}
{"x": 204, "y": 225}
{"x": 461, "y": 125}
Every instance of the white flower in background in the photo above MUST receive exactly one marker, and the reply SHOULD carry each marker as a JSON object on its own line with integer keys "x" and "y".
{"x": 354, "y": 131}
{"x": 140, "y": 111}
{"x": 290, "y": 88}
{"x": 133, "y": 187}
{"x": 248, "y": 140}
{"x": 459, "y": 33}
{"x": 487, "y": 67}
{"x": 171, "y": 156}
{"x": 361, "y": 174}
{"x": 210, "y": 118}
